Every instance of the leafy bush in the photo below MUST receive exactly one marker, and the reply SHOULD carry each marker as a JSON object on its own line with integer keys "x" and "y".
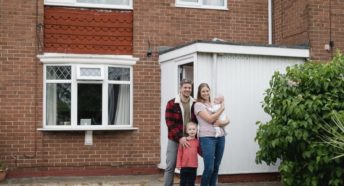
{"x": 299, "y": 103}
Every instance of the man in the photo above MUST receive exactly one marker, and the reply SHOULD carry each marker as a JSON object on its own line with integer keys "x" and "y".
{"x": 179, "y": 111}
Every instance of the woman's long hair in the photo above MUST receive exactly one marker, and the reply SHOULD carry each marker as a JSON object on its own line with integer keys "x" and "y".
{"x": 199, "y": 97}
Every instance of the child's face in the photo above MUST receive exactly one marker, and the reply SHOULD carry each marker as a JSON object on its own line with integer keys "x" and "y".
{"x": 191, "y": 130}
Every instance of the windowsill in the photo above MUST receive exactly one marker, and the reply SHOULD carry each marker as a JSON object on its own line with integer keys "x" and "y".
{"x": 88, "y": 5}
{"x": 83, "y": 128}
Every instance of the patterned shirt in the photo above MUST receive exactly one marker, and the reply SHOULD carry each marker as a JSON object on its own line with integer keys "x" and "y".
{"x": 174, "y": 117}
{"x": 205, "y": 129}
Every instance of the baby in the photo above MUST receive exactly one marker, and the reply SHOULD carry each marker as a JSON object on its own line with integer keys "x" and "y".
{"x": 215, "y": 107}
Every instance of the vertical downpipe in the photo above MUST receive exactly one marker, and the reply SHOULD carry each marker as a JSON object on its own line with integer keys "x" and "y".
{"x": 270, "y": 21}
{"x": 214, "y": 79}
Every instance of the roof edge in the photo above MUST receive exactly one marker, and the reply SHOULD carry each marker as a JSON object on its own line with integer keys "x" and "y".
{"x": 301, "y": 51}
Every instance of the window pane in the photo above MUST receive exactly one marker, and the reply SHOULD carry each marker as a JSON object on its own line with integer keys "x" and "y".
{"x": 58, "y": 72}
{"x": 58, "y": 104}
{"x": 108, "y": 2}
{"x": 89, "y": 104}
{"x": 91, "y": 72}
{"x": 119, "y": 104}
{"x": 119, "y": 74}
{"x": 214, "y": 2}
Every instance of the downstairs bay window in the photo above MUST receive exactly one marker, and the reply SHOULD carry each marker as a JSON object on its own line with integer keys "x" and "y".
{"x": 87, "y": 92}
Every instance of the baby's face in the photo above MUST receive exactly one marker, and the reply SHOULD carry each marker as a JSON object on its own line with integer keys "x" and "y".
{"x": 218, "y": 100}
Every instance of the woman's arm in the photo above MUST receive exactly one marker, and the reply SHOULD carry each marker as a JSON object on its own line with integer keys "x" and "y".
{"x": 222, "y": 123}
{"x": 211, "y": 118}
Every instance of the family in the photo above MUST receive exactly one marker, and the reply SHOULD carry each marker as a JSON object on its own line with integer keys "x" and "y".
{"x": 194, "y": 127}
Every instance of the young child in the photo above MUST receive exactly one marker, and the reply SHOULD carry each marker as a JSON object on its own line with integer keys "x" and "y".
{"x": 187, "y": 160}
{"x": 217, "y": 105}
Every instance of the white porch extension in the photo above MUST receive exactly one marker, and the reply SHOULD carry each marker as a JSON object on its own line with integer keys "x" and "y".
{"x": 239, "y": 72}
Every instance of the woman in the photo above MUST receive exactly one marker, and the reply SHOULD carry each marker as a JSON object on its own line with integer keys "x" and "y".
{"x": 212, "y": 147}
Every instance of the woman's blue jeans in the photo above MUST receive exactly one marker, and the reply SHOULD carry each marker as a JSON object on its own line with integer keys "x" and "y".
{"x": 212, "y": 152}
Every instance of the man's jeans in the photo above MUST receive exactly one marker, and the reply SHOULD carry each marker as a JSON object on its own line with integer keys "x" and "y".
{"x": 212, "y": 151}
{"x": 171, "y": 159}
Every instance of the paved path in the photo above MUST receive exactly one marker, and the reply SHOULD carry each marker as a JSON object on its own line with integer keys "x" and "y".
{"x": 141, "y": 180}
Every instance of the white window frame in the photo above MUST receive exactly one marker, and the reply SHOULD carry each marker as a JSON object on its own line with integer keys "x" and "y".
{"x": 74, "y": 3}
{"x": 98, "y": 61}
{"x": 199, "y": 4}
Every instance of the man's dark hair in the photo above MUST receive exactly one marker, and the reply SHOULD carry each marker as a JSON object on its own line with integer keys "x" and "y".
{"x": 185, "y": 81}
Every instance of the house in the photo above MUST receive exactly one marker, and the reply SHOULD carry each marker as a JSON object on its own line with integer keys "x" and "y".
{"x": 80, "y": 86}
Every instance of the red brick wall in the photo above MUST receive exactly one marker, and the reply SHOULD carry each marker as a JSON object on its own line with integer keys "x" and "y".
{"x": 321, "y": 29}
{"x": 290, "y": 22}
{"x": 158, "y": 22}
{"x": 337, "y": 25}
{"x": 308, "y": 22}
{"x": 166, "y": 25}
{"x": 20, "y": 82}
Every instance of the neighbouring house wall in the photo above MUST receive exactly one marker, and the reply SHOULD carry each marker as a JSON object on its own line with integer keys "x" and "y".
{"x": 312, "y": 22}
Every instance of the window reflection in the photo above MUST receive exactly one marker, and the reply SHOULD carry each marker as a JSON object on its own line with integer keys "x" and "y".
{"x": 89, "y": 104}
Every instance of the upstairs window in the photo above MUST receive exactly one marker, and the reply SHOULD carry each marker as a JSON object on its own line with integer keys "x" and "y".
{"x": 206, "y": 4}
{"x": 111, "y": 4}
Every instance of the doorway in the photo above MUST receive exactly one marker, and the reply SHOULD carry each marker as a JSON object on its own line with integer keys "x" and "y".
{"x": 185, "y": 71}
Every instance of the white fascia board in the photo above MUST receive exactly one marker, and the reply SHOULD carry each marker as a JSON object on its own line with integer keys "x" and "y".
{"x": 235, "y": 49}
{"x": 60, "y": 58}
{"x": 178, "y": 53}
{"x": 253, "y": 50}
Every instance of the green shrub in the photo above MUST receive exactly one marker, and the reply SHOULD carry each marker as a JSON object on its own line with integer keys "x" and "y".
{"x": 299, "y": 103}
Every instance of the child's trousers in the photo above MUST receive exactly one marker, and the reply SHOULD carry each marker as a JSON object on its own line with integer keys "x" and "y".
{"x": 188, "y": 176}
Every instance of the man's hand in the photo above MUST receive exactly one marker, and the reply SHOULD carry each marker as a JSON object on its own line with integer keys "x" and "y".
{"x": 184, "y": 142}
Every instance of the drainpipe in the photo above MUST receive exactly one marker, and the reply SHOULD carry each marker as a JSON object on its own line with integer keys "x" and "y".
{"x": 214, "y": 79}
{"x": 270, "y": 21}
